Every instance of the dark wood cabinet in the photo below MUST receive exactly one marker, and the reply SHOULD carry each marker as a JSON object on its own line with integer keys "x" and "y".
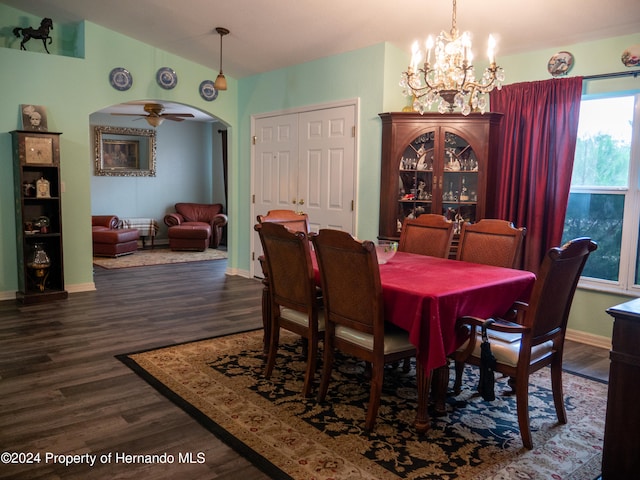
{"x": 36, "y": 158}
{"x": 620, "y": 455}
{"x": 435, "y": 163}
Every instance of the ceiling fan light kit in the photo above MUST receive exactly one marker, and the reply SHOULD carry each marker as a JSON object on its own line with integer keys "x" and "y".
{"x": 221, "y": 81}
{"x": 155, "y": 117}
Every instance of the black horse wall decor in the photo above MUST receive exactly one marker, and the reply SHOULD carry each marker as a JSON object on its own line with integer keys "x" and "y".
{"x": 42, "y": 33}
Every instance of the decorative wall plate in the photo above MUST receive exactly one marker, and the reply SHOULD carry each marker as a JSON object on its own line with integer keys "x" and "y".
{"x": 167, "y": 78}
{"x": 631, "y": 56}
{"x": 208, "y": 90}
{"x": 560, "y": 64}
{"x": 120, "y": 79}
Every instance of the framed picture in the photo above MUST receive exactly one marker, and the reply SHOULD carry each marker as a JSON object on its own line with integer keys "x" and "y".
{"x": 34, "y": 118}
{"x": 125, "y": 152}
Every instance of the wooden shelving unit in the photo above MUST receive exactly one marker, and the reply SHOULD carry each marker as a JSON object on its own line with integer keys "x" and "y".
{"x": 36, "y": 157}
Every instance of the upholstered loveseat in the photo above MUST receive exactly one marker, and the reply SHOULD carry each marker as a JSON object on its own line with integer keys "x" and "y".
{"x": 195, "y": 226}
{"x": 110, "y": 241}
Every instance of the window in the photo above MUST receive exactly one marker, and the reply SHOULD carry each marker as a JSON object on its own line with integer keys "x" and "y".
{"x": 604, "y": 202}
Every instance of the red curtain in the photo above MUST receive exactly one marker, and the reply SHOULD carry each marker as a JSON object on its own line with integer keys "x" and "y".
{"x": 540, "y": 128}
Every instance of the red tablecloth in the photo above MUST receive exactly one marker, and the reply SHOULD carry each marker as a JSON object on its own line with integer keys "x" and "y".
{"x": 425, "y": 295}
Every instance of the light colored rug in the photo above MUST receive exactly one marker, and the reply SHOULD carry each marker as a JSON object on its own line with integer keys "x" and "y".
{"x": 158, "y": 256}
{"x": 220, "y": 382}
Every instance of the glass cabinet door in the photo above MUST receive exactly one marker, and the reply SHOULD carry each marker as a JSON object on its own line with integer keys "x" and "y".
{"x": 459, "y": 180}
{"x": 416, "y": 178}
{"x": 434, "y": 163}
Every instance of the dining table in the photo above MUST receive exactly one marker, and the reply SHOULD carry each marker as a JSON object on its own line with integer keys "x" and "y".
{"x": 426, "y": 296}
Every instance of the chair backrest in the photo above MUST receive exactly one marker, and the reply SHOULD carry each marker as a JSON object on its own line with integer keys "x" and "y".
{"x": 429, "y": 234}
{"x": 297, "y": 222}
{"x": 106, "y": 221}
{"x": 555, "y": 285}
{"x": 198, "y": 212}
{"x": 288, "y": 258}
{"x": 491, "y": 242}
{"x": 350, "y": 281}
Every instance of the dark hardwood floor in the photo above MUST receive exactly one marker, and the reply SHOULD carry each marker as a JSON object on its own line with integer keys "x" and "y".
{"x": 63, "y": 392}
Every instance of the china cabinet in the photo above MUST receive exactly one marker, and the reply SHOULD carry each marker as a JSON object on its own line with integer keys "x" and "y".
{"x": 435, "y": 163}
{"x": 36, "y": 158}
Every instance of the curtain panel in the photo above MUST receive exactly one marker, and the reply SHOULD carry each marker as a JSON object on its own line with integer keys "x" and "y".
{"x": 539, "y": 133}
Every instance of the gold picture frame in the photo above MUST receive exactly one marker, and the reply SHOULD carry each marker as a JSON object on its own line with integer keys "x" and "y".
{"x": 125, "y": 152}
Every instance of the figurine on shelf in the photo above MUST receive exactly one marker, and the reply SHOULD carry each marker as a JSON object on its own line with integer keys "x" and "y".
{"x": 453, "y": 165}
{"x": 42, "y": 188}
{"x": 38, "y": 265}
{"x": 422, "y": 190}
{"x": 43, "y": 224}
{"x": 28, "y": 189}
{"x": 457, "y": 223}
{"x": 464, "y": 192}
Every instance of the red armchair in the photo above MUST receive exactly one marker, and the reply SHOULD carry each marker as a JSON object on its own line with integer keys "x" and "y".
{"x": 187, "y": 225}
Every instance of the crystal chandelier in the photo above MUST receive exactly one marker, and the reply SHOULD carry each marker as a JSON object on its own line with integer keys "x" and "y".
{"x": 450, "y": 79}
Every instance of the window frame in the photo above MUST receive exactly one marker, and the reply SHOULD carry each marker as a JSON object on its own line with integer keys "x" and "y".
{"x": 629, "y": 248}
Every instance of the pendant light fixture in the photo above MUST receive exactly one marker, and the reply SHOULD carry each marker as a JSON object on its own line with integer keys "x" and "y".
{"x": 221, "y": 82}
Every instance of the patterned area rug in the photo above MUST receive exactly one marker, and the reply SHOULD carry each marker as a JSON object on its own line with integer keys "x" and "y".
{"x": 219, "y": 381}
{"x": 158, "y": 256}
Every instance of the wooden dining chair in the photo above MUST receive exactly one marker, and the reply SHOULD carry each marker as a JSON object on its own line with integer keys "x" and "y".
{"x": 429, "y": 234}
{"x": 536, "y": 338}
{"x": 354, "y": 311}
{"x": 294, "y": 304}
{"x": 491, "y": 242}
{"x": 298, "y": 222}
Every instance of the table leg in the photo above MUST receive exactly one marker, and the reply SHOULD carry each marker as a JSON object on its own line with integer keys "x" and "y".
{"x": 423, "y": 421}
{"x": 439, "y": 384}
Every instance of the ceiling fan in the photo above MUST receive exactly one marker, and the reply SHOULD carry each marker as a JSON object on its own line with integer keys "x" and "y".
{"x": 155, "y": 116}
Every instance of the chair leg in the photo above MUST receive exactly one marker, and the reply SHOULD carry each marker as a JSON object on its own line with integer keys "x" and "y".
{"x": 312, "y": 353}
{"x": 273, "y": 349}
{"x": 326, "y": 370}
{"x": 556, "y": 387}
{"x": 457, "y": 384}
{"x": 377, "y": 377}
{"x": 406, "y": 367}
{"x": 266, "y": 314}
{"x": 522, "y": 402}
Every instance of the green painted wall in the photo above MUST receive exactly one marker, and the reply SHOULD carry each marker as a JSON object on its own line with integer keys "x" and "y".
{"x": 351, "y": 75}
{"x": 73, "y": 88}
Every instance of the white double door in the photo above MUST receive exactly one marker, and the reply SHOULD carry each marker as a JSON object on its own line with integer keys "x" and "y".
{"x": 306, "y": 161}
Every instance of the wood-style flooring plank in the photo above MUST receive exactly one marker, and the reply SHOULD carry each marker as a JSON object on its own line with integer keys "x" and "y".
{"x": 63, "y": 391}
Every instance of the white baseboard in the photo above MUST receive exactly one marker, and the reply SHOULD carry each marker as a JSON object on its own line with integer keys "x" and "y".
{"x": 81, "y": 287}
{"x": 238, "y": 272}
{"x": 589, "y": 339}
{"x": 7, "y": 296}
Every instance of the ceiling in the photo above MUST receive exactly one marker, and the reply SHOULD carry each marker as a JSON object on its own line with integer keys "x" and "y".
{"x": 271, "y": 34}
{"x": 268, "y": 35}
